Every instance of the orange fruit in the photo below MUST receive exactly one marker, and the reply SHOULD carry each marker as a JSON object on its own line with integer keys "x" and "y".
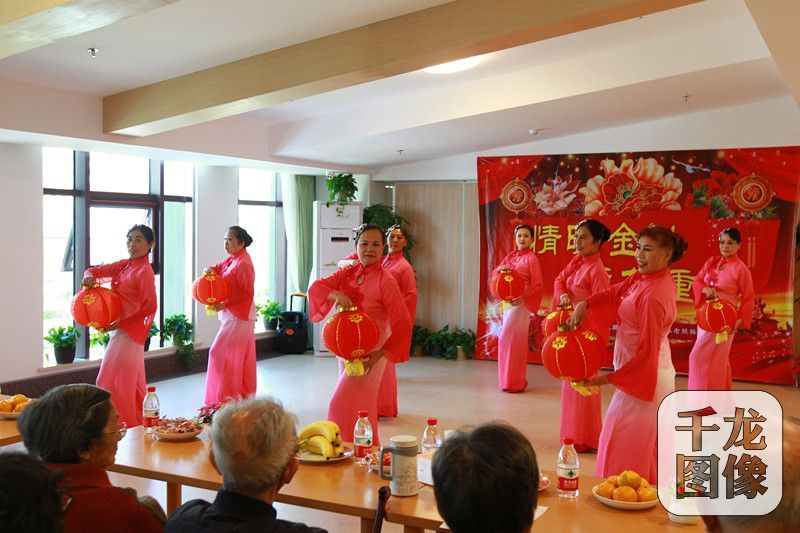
{"x": 20, "y": 406}
{"x": 630, "y": 478}
{"x": 18, "y": 398}
{"x": 612, "y": 480}
{"x": 625, "y": 494}
{"x": 644, "y": 484}
{"x": 6, "y": 406}
{"x": 646, "y": 494}
{"x": 605, "y": 489}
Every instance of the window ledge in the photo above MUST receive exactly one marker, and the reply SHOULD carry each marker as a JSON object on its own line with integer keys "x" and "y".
{"x": 83, "y": 363}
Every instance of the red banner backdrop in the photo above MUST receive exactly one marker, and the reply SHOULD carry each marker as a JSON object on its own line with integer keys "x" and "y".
{"x": 697, "y": 192}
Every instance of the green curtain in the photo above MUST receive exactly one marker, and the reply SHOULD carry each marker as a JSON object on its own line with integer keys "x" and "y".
{"x": 305, "y": 231}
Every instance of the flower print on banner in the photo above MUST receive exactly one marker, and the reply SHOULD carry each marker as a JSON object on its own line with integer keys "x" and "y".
{"x": 629, "y": 189}
{"x": 557, "y": 195}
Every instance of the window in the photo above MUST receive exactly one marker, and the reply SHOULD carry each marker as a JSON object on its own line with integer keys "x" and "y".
{"x": 90, "y": 202}
{"x": 259, "y": 215}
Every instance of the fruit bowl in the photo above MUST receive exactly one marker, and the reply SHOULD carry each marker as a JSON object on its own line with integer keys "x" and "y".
{"x": 625, "y": 506}
{"x": 307, "y": 457}
{"x": 10, "y": 416}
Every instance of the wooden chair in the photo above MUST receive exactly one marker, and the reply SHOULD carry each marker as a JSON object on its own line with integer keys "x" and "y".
{"x": 380, "y": 511}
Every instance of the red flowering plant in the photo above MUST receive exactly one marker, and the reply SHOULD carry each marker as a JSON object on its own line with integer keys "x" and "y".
{"x": 630, "y": 188}
{"x": 206, "y": 413}
{"x": 557, "y": 195}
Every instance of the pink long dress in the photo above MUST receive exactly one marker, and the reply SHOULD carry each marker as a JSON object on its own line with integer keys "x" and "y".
{"x": 512, "y": 345}
{"x": 643, "y": 372}
{"x": 709, "y": 365}
{"x": 122, "y": 369}
{"x": 580, "y": 416}
{"x": 232, "y": 356}
{"x": 404, "y": 274}
{"x": 375, "y": 291}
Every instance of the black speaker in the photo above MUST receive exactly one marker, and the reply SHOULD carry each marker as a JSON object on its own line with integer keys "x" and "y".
{"x": 292, "y": 329}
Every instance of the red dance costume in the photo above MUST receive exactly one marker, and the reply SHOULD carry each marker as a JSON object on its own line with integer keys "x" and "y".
{"x": 643, "y": 372}
{"x": 709, "y": 365}
{"x": 98, "y": 506}
{"x": 580, "y": 416}
{"x": 122, "y": 369}
{"x": 232, "y": 356}
{"x": 512, "y": 345}
{"x": 374, "y": 291}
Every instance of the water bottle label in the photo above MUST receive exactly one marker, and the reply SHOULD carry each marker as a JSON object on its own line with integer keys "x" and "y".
{"x": 361, "y": 446}
{"x": 150, "y": 418}
{"x": 567, "y": 478}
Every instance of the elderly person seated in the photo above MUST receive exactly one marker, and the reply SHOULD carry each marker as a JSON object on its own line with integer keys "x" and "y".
{"x": 254, "y": 447}
{"x": 486, "y": 480}
{"x": 29, "y": 498}
{"x": 75, "y": 429}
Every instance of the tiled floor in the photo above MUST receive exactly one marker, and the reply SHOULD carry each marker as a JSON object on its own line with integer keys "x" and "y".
{"x": 458, "y": 393}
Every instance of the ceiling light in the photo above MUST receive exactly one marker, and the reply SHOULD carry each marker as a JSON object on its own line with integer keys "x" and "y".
{"x": 93, "y": 52}
{"x": 454, "y": 66}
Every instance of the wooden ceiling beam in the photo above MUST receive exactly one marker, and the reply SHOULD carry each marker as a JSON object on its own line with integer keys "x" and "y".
{"x": 29, "y": 24}
{"x": 402, "y": 44}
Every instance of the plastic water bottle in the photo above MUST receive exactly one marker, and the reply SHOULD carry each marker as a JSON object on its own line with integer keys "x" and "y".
{"x": 431, "y": 439}
{"x": 150, "y": 408}
{"x": 567, "y": 469}
{"x": 362, "y": 435}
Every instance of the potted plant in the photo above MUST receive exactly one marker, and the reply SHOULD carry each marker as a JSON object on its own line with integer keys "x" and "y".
{"x": 64, "y": 341}
{"x": 152, "y": 333}
{"x": 464, "y": 341}
{"x": 437, "y": 341}
{"x": 418, "y": 336}
{"x": 179, "y": 330}
{"x": 99, "y": 338}
{"x": 383, "y": 216}
{"x": 270, "y": 312}
{"x": 342, "y": 188}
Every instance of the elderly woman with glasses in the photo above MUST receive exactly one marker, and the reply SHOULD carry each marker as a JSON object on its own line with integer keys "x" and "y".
{"x": 75, "y": 429}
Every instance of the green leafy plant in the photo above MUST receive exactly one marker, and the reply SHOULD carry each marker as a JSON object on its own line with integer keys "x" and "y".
{"x": 418, "y": 336}
{"x": 437, "y": 342}
{"x": 62, "y": 336}
{"x": 385, "y": 217}
{"x": 99, "y": 338}
{"x": 342, "y": 188}
{"x": 465, "y": 338}
{"x": 270, "y": 310}
{"x": 179, "y": 330}
{"x": 153, "y": 331}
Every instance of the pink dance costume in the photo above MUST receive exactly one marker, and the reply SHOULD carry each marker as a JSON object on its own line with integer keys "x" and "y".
{"x": 400, "y": 268}
{"x": 232, "y": 356}
{"x": 643, "y": 372}
{"x": 374, "y": 291}
{"x": 709, "y": 363}
{"x": 581, "y": 417}
{"x": 122, "y": 369}
{"x": 512, "y": 345}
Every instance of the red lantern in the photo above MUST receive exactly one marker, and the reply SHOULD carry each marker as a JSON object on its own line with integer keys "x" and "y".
{"x": 717, "y": 316}
{"x": 210, "y": 289}
{"x": 350, "y": 334}
{"x": 506, "y": 284}
{"x": 552, "y": 320}
{"x": 96, "y": 307}
{"x": 572, "y": 353}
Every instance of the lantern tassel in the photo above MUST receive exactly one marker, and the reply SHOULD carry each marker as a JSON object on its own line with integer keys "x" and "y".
{"x": 583, "y": 389}
{"x": 354, "y": 367}
{"x": 721, "y": 337}
{"x": 211, "y": 310}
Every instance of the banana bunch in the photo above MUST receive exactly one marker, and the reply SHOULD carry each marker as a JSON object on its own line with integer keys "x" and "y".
{"x": 322, "y": 438}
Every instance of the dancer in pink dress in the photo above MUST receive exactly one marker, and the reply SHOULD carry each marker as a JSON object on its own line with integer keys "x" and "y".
{"x": 584, "y": 276}
{"x": 643, "y": 373}
{"x": 122, "y": 370}
{"x": 512, "y": 345}
{"x": 728, "y": 278}
{"x": 232, "y": 356}
{"x": 375, "y": 291}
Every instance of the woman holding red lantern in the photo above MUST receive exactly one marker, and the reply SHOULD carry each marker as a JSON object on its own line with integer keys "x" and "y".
{"x": 375, "y": 291}
{"x": 643, "y": 373}
{"x": 122, "y": 369}
{"x": 512, "y": 344}
{"x": 232, "y": 356}
{"x": 584, "y": 276}
{"x": 725, "y": 277}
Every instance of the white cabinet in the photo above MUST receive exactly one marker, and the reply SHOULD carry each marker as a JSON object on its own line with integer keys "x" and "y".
{"x": 333, "y": 241}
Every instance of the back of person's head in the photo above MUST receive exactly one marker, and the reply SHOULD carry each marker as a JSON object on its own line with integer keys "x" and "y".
{"x": 29, "y": 496}
{"x": 253, "y": 442}
{"x": 786, "y": 516}
{"x": 486, "y": 480}
{"x": 65, "y": 421}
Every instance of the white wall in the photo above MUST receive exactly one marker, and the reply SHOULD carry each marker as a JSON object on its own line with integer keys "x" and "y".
{"x": 217, "y": 198}
{"x": 774, "y": 122}
{"x": 21, "y": 279}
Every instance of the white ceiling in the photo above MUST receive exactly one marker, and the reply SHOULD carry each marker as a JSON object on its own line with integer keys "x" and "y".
{"x": 632, "y": 71}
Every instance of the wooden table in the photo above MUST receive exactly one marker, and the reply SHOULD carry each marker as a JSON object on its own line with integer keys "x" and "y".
{"x": 8, "y": 428}
{"x": 345, "y": 488}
